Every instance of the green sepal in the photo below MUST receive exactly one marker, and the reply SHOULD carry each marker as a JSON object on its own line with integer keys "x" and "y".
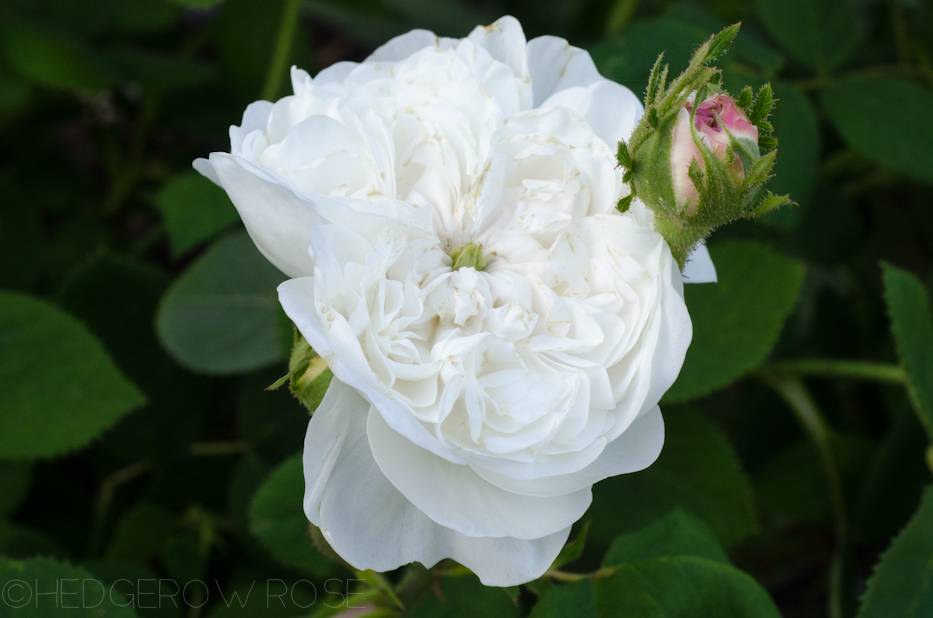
{"x": 625, "y": 203}
{"x": 766, "y": 143}
{"x": 652, "y": 90}
{"x": 720, "y": 43}
{"x": 652, "y": 160}
{"x": 767, "y": 203}
{"x": 760, "y": 171}
{"x": 764, "y": 103}
{"x": 623, "y": 156}
{"x": 653, "y": 118}
{"x": 744, "y": 100}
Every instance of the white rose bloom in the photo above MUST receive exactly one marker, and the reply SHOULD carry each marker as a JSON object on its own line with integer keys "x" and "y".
{"x": 473, "y": 409}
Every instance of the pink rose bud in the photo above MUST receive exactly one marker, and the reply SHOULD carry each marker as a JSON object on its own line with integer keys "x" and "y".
{"x": 696, "y": 176}
{"x": 716, "y": 119}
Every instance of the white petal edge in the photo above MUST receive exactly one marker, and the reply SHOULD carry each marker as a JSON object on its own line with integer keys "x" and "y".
{"x": 699, "y": 267}
{"x": 277, "y": 218}
{"x": 371, "y": 525}
{"x": 674, "y": 336}
{"x": 635, "y": 449}
{"x": 405, "y": 45}
{"x": 505, "y": 41}
{"x": 554, "y": 65}
{"x": 456, "y": 497}
{"x": 612, "y": 110}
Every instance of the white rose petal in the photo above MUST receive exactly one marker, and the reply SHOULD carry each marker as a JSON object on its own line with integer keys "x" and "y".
{"x": 471, "y": 410}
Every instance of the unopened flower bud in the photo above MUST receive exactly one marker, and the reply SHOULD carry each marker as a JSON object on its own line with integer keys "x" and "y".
{"x": 698, "y": 158}
{"x": 717, "y": 120}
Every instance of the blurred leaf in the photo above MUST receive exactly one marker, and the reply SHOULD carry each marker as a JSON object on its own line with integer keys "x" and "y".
{"x": 685, "y": 586}
{"x": 198, "y": 4}
{"x": 797, "y": 131}
{"x": 627, "y": 58}
{"x": 818, "y": 33}
{"x": 894, "y": 480}
{"x": 899, "y": 138}
{"x": 736, "y": 321}
{"x": 42, "y": 575}
{"x": 273, "y": 422}
{"x": 464, "y": 597}
{"x": 697, "y": 471}
{"x": 61, "y": 390}
{"x": 453, "y": 18}
{"x": 103, "y": 17}
{"x": 138, "y": 16}
{"x": 902, "y": 586}
{"x": 20, "y": 234}
{"x": 199, "y": 481}
{"x": 278, "y": 520}
{"x": 52, "y": 60}
{"x": 830, "y": 228}
{"x": 182, "y": 556}
{"x": 371, "y": 28}
{"x": 247, "y": 34}
{"x": 247, "y": 477}
{"x": 792, "y": 485}
{"x": 222, "y": 315}
{"x": 676, "y": 534}
{"x": 912, "y": 325}
{"x": 20, "y": 542}
{"x": 140, "y": 533}
{"x": 15, "y": 479}
{"x": 117, "y": 298}
{"x": 13, "y": 92}
{"x": 577, "y": 599}
{"x": 195, "y": 209}
{"x": 160, "y": 71}
{"x": 747, "y": 48}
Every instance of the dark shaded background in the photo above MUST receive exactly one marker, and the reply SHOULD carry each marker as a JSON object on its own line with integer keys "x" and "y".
{"x": 105, "y": 103}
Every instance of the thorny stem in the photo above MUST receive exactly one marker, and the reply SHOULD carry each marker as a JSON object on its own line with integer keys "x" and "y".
{"x": 795, "y": 394}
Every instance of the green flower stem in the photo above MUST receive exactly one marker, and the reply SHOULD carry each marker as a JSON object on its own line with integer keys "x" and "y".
{"x": 795, "y": 394}
{"x": 283, "y": 48}
{"x": 830, "y": 368}
{"x": 565, "y": 576}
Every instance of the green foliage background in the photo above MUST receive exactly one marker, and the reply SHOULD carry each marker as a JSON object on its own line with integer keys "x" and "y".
{"x": 139, "y": 325}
